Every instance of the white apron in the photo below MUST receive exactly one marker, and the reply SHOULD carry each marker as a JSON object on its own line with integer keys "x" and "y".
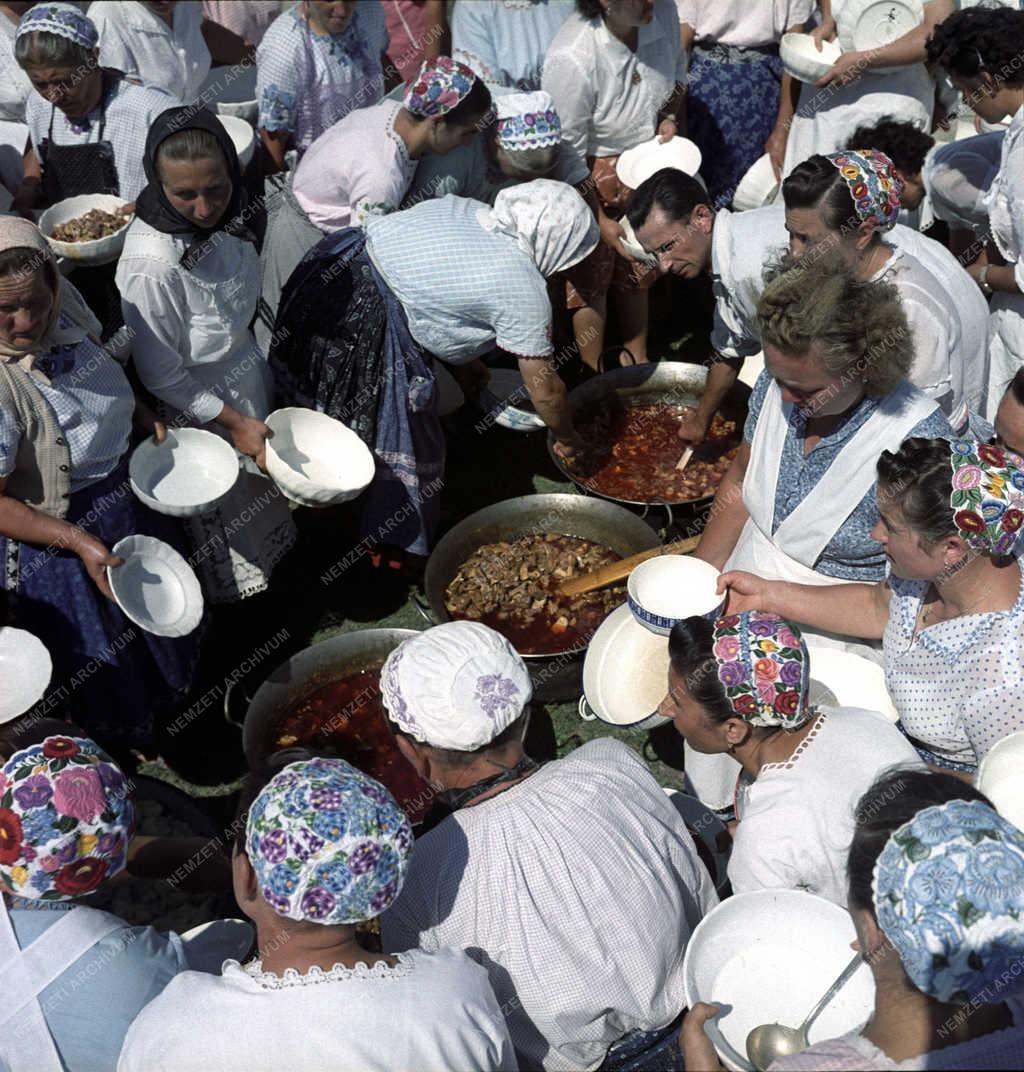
{"x": 791, "y": 553}
{"x": 25, "y": 1040}
{"x": 236, "y": 546}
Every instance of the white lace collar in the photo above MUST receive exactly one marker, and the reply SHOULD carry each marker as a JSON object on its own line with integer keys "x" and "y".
{"x": 381, "y": 970}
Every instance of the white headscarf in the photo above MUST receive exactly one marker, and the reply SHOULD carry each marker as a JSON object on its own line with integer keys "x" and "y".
{"x": 549, "y": 220}
{"x": 455, "y": 686}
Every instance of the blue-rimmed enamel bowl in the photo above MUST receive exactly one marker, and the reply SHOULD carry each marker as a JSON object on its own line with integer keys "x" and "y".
{"x": 666, "y": 589}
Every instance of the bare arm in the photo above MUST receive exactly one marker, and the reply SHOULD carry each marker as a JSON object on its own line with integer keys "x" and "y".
{"x": 789, "y": 94}
{"x": 437, "y": 40}
{"x": 24, "y": 523}
{"x": 722, "y": 374}
{"x": 31, "y": 185}
{"x": 728, "y": 514}
{"x": 550, "y": 400}
{"x": 860, "y": 610}
{"x": 276, "y": 143}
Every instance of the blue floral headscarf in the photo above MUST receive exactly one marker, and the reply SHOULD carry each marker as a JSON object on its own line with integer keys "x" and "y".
{"x": 64, "y": 20}
{"x": 949, "y": 896}
{"x": 328, "y": 844}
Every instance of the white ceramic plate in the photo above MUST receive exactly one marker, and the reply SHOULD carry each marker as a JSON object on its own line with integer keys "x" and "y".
{"x": 853, "y": 680}
{"x": 189, "y": 473}
{"x": 632, "y": 244}
{"x": 1001, "y": 777}
{"x": 638, "y": 164}
{"x": 242, "y": 135}
{"x": 98, "y": 251}
{"x": 314, "y": 459}
{"x": 801, "y": 58}
{"x": 25, "y": 669}
{"x": 758, "y": 187}
{"x": 863, "y": 25}
{"x": 156, "y": 587}
{"x": 625, "y": 673}
{"x": 665, "y": 589}
{"x": 510, "y": 401}
{"x": 769, "y": 956}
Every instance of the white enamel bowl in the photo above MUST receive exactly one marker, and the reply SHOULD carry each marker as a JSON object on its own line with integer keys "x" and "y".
{"x": 156, "y": 587}
{"x": 625, "y": 674}
{"x": 863, "y": 25}
{"x": 99, "y": 250}
{"x": 769, "y": 956}
{"x": 314, "y": 459}
{"x": 632, "y": 244}
{"x": 506, "y": 397}
{"x": 25, "y": 669}
{"x": 242, "y": 136}
{"x": 758, "y": 187}
{"x": 189, "y": 473}
{"x": 638, "y": 164}
{"x": 802, "y": 59}
{"x": 1001, "y": 777}
{"x": 665, "y": 589}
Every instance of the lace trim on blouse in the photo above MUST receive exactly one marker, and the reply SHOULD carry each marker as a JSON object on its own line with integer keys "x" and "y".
{"x": 802, "y": 747}
{"x": 339, "y": 973}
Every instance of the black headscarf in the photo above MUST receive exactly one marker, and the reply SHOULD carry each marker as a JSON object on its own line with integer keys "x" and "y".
{"x": 152, "y": 205}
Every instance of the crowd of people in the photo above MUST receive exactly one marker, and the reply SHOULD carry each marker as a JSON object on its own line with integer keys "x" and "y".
{"x": 434, "y": 190}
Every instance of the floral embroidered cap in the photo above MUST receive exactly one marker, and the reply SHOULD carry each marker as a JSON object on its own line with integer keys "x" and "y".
{"x": 987, "y": 499}
{"x": 763, "y": 667}
{"x": 328, "y": 844}
{"x": 64, "y": 20}
{"x": 441, "y": 85}
{"x": 66, "y": 818}
{"x": 949, "y": 896}
{"x": 527, "y": 121}
{"x": 455, "y": 686}
{"x": 873, "y": 183}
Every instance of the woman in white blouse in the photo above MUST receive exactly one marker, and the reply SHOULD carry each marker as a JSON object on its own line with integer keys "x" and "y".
{"x": 616, "y": 72}
{"x": 189, "y": 282}
{"x": 951, "y": 612}
{"x": 981, "y": 52}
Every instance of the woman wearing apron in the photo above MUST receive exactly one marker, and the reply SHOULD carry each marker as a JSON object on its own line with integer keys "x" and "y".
{"x": 85, "y": 130}
{"x": 863, "y": 87}
{"x": 981, "y": 51}
{"x": 317, "y": 62}
{"x": 798, "y": 503}
{"x": 189, "y": 282}
{"x": 616, "y": 72}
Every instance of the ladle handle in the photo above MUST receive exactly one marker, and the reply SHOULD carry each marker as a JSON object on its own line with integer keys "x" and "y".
{"x": 834, "y": 989}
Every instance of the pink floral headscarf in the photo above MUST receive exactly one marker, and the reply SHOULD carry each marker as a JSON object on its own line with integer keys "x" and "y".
{"x": 441, "y": 85}
{"x": 66, "y": 818}
{"x": 763, "y": 667}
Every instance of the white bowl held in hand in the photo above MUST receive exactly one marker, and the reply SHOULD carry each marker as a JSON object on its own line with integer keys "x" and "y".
{"x": 665, "y": 589}
{"x": 25, "y": 669}
{"x": 758, "y": 187}
{"x": 505, "y": 395}
{"x": 1001, "y": 777}
{"x": 864, "y": 25}
{"x": 242, "y": 136}
{"x": 189, "y": 473}
{"x": 156, "y": 587}
{"x": 632, "y": 244}
{"x": 802, "y": 59}
{"x": 638, "y": 164}
{"x": 97, "y": 251}
{"x": 314, "y": 459}
{"x": 768, "y": 956}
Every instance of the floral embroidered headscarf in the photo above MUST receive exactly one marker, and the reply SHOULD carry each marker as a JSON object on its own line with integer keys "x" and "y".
{"x": 987, "y": 499}
{"x": 873, "y": 184}
{"x": 527, "y": 121}
{"x": 949, "y": 895}
{"x": 455, "y": 686}
{"x": 64, "y": 20}
{"x": 763, "y": 667}
{"x": 327, "y": 843}
{"x": 441, "y": 85}
{"x": 66, "y": 818}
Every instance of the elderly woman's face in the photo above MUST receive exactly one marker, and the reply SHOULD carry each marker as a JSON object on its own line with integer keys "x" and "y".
{"x": 74, "y": 90}
{"x": 199, "y": 189}
{"x": 806, "y": 383}
{"x": 25, "y": 302}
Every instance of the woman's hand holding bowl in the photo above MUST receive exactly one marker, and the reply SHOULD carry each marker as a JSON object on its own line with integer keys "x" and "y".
{"x": 96, "y": 557}
{"x": 744, "y": 591}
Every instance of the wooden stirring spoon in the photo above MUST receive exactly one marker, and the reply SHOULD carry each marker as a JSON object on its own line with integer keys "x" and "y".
{"x": 617, "y": 571}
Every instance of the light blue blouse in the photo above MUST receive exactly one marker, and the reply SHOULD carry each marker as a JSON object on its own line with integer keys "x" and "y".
{"x": 93, "y": 403}
{"x": 464, "y": 290}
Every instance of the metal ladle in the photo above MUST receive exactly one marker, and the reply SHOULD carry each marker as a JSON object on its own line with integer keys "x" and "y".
{"x": 768, "y": 1042}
